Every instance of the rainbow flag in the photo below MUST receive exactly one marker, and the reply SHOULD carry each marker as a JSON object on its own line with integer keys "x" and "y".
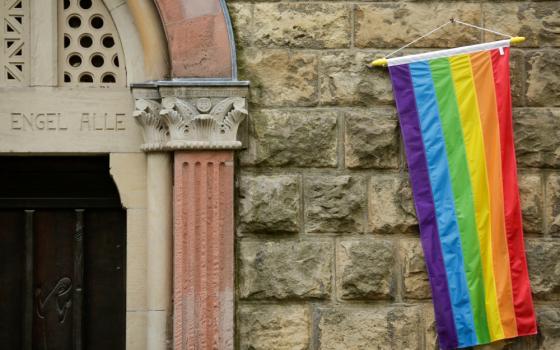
{"x": 454, "y": 109}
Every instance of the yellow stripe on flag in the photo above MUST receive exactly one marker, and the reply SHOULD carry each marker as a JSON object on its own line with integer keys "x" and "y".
{"x": 484, "y": 81}
{"x": 474, "y": 144}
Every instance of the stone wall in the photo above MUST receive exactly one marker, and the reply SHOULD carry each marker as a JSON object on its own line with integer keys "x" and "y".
{"x": 328, "y": 254}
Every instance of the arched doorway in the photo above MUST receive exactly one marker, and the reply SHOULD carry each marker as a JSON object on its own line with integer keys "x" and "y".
{"x": 62, "y": 257}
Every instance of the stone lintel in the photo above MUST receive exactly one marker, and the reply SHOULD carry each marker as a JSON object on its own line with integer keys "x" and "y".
{"x": 190, "y": 115}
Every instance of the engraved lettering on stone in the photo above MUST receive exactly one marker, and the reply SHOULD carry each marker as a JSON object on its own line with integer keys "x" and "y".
{"x": 37, "y": 121}
{"x": 102, "y": 122}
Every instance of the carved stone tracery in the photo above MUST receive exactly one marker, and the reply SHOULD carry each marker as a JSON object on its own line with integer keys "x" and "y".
{"x": 182, "y": 123}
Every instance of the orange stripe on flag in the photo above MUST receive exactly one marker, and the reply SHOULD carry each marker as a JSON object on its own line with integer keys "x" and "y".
{"x": 485, "y": 89}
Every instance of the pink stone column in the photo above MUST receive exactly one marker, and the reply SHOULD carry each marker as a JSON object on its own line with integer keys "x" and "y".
{"x": 203, "y": 250}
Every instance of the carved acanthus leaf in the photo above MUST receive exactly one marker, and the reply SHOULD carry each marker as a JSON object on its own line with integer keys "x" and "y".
{"x": 199, "y": 129}
{"x": 184, "y": 124}
{"x": 178, "y": 127}
{"x": 147, "y": 115}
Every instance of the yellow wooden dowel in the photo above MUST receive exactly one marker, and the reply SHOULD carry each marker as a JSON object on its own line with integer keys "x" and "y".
{"x": 380, "y": 62}
{"x": 517, "y": 39}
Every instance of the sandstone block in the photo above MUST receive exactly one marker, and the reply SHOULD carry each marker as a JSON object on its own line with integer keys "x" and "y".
{"x": 292, "y": 138}
{"x": 280, "y": 78}
{"x": 264, "y": 327}
{"x": 553, "y": 204}
{"x": 334, "y": 204}
{"x": 543, "y": 79}
{"x": 548, "y": 338}
{"x": 269, "y": 204}
{"x": 429, "y": 327}
{"x": 390, "y": 209}
{"x": 309, "y": 26}
{"x": 416, "y": 284}
{"x": 367, "y": 328}
{"x": 544, "y": 268}
{"x": 548, "y": 320}
{"x": 384, "y": 25}
{"x": 344, "y": 79}
{"x": 364, "y": 269}
{"x": 517, "y": 63}
{"x": 241, "y": 20}
{"x": 537, "y": 22}
{"x": 371, "y": 139}
{"x": 284, "y": 270}
{"x": 531, "y": 195}
{"x": 537, "y": 137}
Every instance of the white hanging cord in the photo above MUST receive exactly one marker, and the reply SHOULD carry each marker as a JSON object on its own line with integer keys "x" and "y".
{"x": 417, "y": 39}
{"x": 480, "y": 28}
{"x": 452, "y": 20}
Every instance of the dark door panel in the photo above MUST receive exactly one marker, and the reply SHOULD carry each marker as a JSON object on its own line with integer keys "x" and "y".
{"x": 104, "y": 280}
{"x": 12, "y": 272}
{"x": 62, "y": 259}
{"x": 53, "y": 282}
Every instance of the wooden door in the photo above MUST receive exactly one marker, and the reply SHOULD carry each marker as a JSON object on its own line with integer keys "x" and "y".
{"x": 62, "y": 256}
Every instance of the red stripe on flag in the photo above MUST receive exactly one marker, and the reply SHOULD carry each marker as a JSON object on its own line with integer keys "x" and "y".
{"x": 522, "y": 299}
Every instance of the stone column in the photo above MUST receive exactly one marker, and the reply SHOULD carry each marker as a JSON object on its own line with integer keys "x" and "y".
{"x": 203, "y": 251}
{"x": 199, "y": 124}
{"x": 159, "y": 221}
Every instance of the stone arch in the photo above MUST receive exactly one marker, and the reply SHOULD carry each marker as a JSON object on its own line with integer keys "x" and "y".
{"x": 143, "y": 39}
{"x": 200, "y": 39}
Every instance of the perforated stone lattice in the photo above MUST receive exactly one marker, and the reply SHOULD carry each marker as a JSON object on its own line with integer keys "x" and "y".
{"x": 90, "y": 52}
{"x": 15, "y": 34}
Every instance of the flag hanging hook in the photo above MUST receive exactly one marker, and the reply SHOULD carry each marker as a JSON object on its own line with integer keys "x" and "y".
{"x": 381, "y": 62}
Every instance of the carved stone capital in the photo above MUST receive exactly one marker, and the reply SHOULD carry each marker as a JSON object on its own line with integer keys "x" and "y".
{"x": 185, "y": 119}
{"x": 154, "y": 131}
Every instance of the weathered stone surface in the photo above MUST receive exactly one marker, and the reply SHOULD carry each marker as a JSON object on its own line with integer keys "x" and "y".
{"x": 396, "y": 24}
{"x": 265, "y": 327}
{"x": 531, "y": 195}
{"x": 269, "y": 204}
{"x": 416, "y": 284}
{"x": 391, "y": 209}
{"x": 364, "y": 269}
{"x": 310, "y": 26}
{"x": 334, "y": 204}
{"x": 429, "y": 327}
{"x": 517, "y": 68}
{"x": 537, "y": 137}
{"x": 553, "y": 204}
{"x": 548, "y": 320}
{"x": 544, "y": 268}
{"x": 367, "y": 328}
{"x": 292, "y": 138}
{"x": 543, "y": 79}
{"x": 371, "y": 139}
{"x": 537, "y": 22}
{"x": 548, "y": 338}
{"x": 284, "y": 270}
{"x": 241, "y": 20}
{"x": 345, "y": 80}
{"x": 280, "y": 78}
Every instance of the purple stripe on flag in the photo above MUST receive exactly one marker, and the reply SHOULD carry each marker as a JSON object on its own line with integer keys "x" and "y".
{"x": 424, "y": 202}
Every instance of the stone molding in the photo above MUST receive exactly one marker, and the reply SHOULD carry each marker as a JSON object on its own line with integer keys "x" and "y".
{"x": 180, "y": 120}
